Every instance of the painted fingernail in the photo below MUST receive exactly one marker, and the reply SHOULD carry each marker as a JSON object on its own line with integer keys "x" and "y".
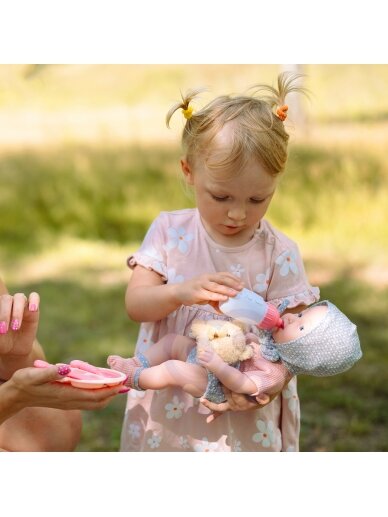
{"x": 124, "y": 390}
{"x": 64, "y": 369}
{"x": 3, "y": 327}
{"x": 32, "y": 307}
{"x": 15, "y": 324}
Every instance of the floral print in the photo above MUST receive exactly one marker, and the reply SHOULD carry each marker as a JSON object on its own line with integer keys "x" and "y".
{"x": 154, "y": 441}
{"x": 262, "y": 282}
{"x": 134, "y": 430}
{"x": 266, "y": 435}
{"x": 173, "y": 278}
{"x": 174, "y": 408}
{"x": 206, "y": 446}
{"x": 287, "y": 263}
{"x": 178, "y": 238}
{"x": 292, "y": 398}
{"x": 237, "y": 269}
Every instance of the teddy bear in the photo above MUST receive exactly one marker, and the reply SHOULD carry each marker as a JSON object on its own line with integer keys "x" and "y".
{"x": 226, "y": 338}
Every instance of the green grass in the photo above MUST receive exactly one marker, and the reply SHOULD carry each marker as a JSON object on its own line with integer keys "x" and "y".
{"x": 72, "y": 212}
{"x": 88, "y": 208}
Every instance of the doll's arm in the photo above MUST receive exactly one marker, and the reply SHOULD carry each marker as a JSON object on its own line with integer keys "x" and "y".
{"x": 229, "y": 376}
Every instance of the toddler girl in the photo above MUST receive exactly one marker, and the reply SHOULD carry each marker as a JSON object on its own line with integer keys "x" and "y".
{"x": 318, "y": 341}
{"x": 192, "y": 259}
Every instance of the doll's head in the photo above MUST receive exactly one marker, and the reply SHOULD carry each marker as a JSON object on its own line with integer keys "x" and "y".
{"x": 319, "y": 341}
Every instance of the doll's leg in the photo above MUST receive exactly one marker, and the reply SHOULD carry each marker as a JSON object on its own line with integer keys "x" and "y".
{"x": 171, "y": 346}
{"x": 192, "y": 378}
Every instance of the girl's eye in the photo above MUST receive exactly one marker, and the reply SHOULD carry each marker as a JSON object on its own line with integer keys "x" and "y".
{"x": 219, "y": 198}
{"x": 257, "y": 201}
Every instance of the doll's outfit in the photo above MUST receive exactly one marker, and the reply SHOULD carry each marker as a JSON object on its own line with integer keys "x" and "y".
{"x": 178, "y": 248}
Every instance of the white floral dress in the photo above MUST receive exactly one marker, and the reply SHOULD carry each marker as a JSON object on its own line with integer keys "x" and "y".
{"x": 178, "y": 248}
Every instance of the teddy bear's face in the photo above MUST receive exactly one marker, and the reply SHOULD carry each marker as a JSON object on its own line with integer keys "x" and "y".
{"x": 225, "y": 337}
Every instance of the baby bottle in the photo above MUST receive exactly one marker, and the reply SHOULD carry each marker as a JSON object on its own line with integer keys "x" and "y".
{"x": 250, "y": 307}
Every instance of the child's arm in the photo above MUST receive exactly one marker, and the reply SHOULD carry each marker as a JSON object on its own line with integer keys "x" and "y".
{"x": 229, "y": 376}
{"x": 148, "y": 298}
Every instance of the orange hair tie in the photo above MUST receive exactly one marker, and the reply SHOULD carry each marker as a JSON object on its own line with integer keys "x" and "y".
{"x": 281, "y": 112}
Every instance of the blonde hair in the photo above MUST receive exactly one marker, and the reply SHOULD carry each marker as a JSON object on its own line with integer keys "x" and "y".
{"x": 257, "y": 131}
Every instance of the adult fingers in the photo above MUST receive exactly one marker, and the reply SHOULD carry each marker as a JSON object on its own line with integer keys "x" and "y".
{"x": 37, "y": 376}
{"x": 18, "y": 306}
{"x": 33, "y": 302}
{"x": 6, "y": 301}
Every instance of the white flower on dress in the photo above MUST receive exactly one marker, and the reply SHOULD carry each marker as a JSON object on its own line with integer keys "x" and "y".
{"x": 143, "y": 341}
{"x": 262, "y": 282}
{"x": 206, "y": 446}
{"x": 237, "y": 269}
{"x": 178, "y": 238}
{"x": 287, "y": 263}
{"x": 153, "y": 253}
{"x": 183, "y": 442}
{"x": 291, "y": 448}
{"x": 290, "y": 394}
{"x": 237, "y": 446}
{"x": 134, "y": 430}
{"x": 154, "y": 441}
{"x": 135, "y": 394}
{"x": 173, "y": 278}
{"x": 266, "y": 434}
{"x": 174, "y": 408}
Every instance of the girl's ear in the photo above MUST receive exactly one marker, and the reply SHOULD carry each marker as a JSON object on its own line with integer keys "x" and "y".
{"x": 186, "y": 169}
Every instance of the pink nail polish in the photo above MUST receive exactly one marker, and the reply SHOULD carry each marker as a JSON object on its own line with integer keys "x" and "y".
{"x": 32, "y": 307}
{"x": 124, "y": 390}
{"x": 3, "y": 327}
{"x": 64, "y": 369}
{"x": 15, "y": 324}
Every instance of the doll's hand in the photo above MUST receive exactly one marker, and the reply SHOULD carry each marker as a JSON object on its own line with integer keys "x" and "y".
{"x": 236, "y": 402}
{"x": 210, "y": 288}
{"x": 19, "y": 319}
{"x": 208, "y": 358}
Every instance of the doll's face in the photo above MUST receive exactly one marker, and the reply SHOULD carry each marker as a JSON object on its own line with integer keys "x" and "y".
{"x": 297, "y": 325}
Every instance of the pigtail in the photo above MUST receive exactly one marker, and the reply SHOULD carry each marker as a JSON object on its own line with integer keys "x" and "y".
{"x": 184, "y": 105}
{"x": 286, "y": 84}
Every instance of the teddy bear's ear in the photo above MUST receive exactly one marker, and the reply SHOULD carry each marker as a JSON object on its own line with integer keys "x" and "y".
{"x": 198, "y": 328}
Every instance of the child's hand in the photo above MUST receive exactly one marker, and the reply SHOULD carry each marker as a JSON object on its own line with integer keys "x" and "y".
{"x": 210, "y": 288}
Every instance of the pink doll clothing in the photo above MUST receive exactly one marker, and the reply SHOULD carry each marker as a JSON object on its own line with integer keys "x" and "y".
{"x": 269, "y": 377}
{"x": 178, "y": 247}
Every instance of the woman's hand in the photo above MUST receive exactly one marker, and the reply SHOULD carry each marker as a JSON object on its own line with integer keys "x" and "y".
{"x": 35, "y": 387}
{"x": 236, "y": 402}
{"x": 19, "y": 319}
{"x": 210, "y": 288}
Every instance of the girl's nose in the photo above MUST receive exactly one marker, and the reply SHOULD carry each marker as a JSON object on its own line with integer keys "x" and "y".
{"x": 237, "y": 213}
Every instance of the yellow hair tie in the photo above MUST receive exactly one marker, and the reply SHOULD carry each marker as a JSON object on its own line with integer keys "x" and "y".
{"x": 188, "y": 112}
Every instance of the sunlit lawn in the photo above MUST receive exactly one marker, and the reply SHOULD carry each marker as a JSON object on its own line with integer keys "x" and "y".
{"x": 72, "y": 213}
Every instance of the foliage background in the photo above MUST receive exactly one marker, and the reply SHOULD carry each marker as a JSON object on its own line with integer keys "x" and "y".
{"x": 86, "y": 163}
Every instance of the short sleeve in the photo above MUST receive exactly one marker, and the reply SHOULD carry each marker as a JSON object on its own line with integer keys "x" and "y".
{"x": 289, "y": 280}
{"x": 152, "y": 253}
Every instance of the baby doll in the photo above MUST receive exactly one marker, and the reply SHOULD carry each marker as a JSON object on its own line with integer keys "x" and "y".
{"x": 319, "y": 341}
